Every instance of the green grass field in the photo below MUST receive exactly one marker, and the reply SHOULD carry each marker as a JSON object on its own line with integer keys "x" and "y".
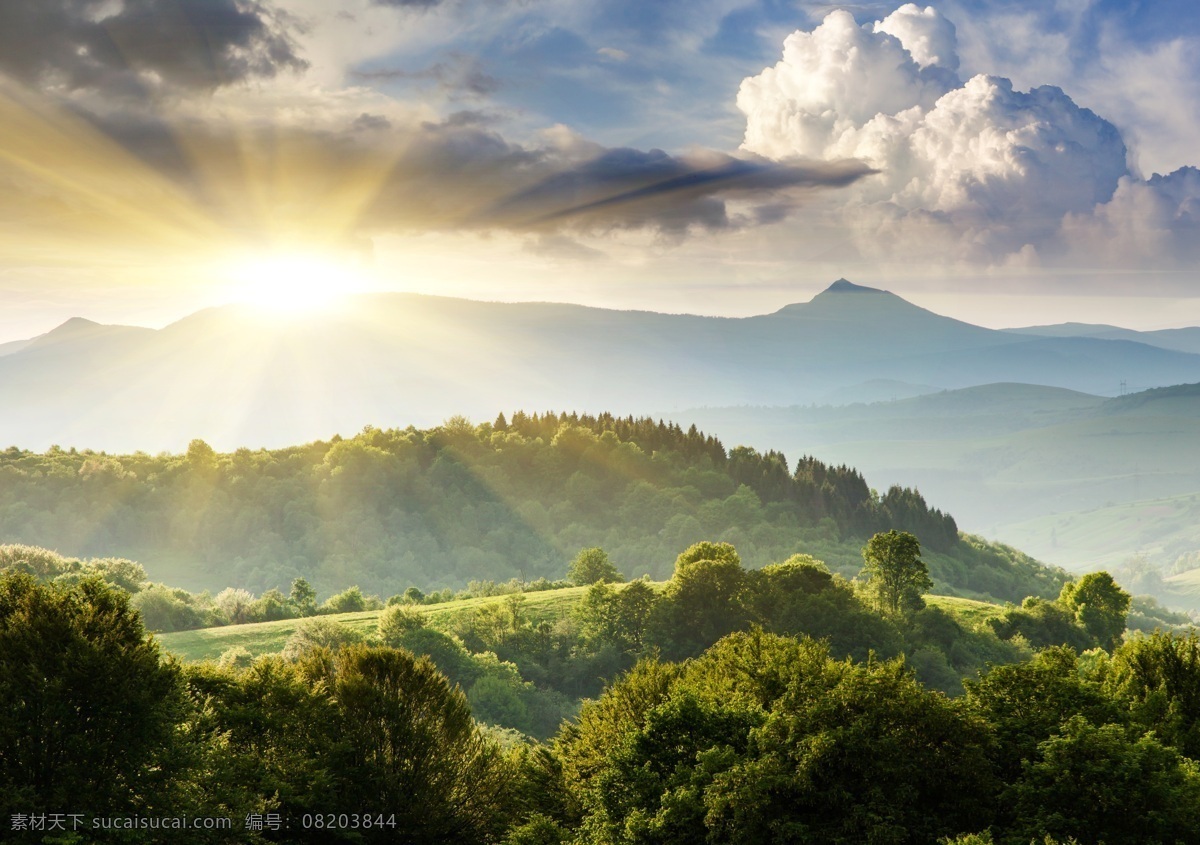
{"x": 269, "y": 637}
{"x": 969, "y": 613}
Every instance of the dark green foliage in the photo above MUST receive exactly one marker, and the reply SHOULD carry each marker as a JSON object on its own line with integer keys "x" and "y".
{"x": 1158, "y": 679}
{"x": 758, "y": 738}
{"x": 907, "y": 511}
{"x": 765, "y": 740}
{"x": 1025, "y": 703}
{"x": 703, "y": 601}
{"x": 800, "y": 596}
{"x": 1100, "y": 785}
{"x": 376, "y": 729}
{"x": 1042, "y": 624}
{"x": 88, "y": 709}
{"x": 268, "y": 731}
{"x": 1088, "y": 612}
{"x": 616, "y": 618}
{"x": 303, "y": 597}
{"x": 411, "y": 747}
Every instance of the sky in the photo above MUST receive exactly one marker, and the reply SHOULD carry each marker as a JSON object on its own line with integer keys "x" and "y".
{"x": 1008, "y": 163}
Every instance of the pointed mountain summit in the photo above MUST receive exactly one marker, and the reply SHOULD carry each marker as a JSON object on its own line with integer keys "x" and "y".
{"x": 846, "y": 286}
{"x": 844, "y": 301}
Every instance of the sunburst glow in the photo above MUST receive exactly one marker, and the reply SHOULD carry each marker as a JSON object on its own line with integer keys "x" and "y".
{"x": 295, "y": 283}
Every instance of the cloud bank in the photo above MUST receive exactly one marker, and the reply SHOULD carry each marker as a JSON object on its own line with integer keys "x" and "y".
{"x": 131, "y": 46}
{"x": 975, "y": 171}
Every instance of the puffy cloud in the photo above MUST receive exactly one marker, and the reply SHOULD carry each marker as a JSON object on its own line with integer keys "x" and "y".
{"x": 830, "y": 83}
{"x": 1156, "y": 222}
{"x": 978, "y": 171}
{"x": 929, "y": 38}
{"x": 125, "y": 46}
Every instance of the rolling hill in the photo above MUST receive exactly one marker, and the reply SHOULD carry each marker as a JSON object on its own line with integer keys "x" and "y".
{"x": 1072, "y": 478}
{"x": 237, "y": 377}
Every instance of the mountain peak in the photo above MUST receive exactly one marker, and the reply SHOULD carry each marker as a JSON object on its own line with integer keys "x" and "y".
{"x": 76, "y": 324}
{"x": 72, "y": 328}
{"x": 844, "y": 286}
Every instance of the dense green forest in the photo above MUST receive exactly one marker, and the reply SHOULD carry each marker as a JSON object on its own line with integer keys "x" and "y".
{"x": 438, "y": 508}
{"x": 747, "y": 705}
{"x": 801, "y": 685}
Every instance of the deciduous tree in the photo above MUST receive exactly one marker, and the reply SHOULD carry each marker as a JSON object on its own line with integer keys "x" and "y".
{"x": 896, "y": 574}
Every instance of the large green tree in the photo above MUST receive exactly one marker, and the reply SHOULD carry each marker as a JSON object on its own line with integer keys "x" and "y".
{"x": 766, "y": 739}
{"x": 411, "y": 747}
{"x": 703, "y": 601}
{"x": 1099, "y": 605}
{"x": 1100, "y": 785}
{"x": 896, "y": 575}
{"x": 88, "y": 707}
{"x": 593, "y": 566}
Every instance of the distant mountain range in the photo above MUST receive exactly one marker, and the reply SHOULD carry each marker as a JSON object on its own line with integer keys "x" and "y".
{"x": 238, "y": 377}
{"x": 1074, "y": 479}
{"x": 1180, "y": 340}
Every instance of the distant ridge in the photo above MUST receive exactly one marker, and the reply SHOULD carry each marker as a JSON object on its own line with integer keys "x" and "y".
{"x": 236, "y": 377}
{"x": 1179, "y": 340}
{"x": 1155, "y": 395}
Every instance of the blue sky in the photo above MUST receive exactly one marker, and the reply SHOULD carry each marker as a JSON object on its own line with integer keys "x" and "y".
{"x": 993, "y": 160}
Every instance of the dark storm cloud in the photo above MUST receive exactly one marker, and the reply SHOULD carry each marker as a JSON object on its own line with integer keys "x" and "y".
{"x": 193, "y": 44}
{"x": 628, "y": 188}
{"x": 378, "y": 174}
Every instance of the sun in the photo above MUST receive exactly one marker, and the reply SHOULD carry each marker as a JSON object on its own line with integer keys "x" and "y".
{"x": 295, "y": 283}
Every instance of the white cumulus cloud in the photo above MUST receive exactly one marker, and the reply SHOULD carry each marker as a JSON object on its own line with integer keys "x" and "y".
{"x": 975, "y": 171}
{"x": 929, "y": 38}
{"x": 1152, "y": 222}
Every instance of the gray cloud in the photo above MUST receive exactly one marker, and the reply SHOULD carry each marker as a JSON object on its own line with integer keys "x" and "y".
{"x": 627, "y": 188}
{"x": 191, "y": 44}
{"x": 371, "y": 122}
{"x": 378, "y": 174}
{"x": 408, "y": 4}
{"x": 455, "y": 76}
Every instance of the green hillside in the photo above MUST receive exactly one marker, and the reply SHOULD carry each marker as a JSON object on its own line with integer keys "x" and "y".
{"x": 441, "y": 507}
{"x": 260, "y": 638}
{"x": 269, "y": 637}
{"x": 1073, "y": 479}
{"x": 1160, "y": 529}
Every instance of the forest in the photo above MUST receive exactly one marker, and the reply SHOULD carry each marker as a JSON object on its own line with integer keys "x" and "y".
{"x": 743, "y": 705}
{"x": 831, "y": 676}
{"x": 437, "y": 508}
